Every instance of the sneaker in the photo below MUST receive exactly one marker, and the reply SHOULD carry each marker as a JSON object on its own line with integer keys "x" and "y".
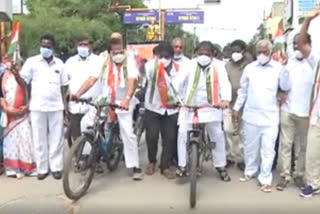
{"x": 282, "y": 184}
{"x": 266, "y": 188}
{"x": 137, "y": 174}
{"x": 308, "y": 192}
{"x": 299, "y": 182}
{"x": 245, "y": 178}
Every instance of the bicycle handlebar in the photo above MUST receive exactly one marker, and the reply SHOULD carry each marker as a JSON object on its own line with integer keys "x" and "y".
{"x": 89, "y": 102}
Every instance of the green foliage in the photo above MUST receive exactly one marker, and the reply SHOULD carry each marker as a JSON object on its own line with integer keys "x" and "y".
{"x": 66, "y": 19}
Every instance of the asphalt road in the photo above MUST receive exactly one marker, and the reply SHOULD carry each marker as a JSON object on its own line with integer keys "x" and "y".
{"x": 116, "y": 193}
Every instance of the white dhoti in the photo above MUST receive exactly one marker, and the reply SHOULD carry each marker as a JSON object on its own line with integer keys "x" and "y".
{"x": 47, "y": 131}
{"x": 213, "y": 128}
{"x": 259, "y": 150}
{"x": 129, "y": 139}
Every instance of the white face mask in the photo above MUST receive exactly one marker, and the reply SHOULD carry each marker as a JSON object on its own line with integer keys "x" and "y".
{"x": 118, "y": 58}
{"x": 203, "y": 60}
{"x": 166, "y": 62}
{"x": 298, "y": 54}
{"x": 83, "y": 51}
{"x": 177, "y": 56}
{"x": 236, "y": 57}
{"x": 263, "y": 59}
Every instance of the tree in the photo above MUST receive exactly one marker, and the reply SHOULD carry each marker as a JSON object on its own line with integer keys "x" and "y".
{"x": 67, "y": 19}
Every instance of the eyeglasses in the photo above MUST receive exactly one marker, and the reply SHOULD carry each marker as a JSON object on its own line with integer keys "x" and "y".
{"x": 178, "y": 47}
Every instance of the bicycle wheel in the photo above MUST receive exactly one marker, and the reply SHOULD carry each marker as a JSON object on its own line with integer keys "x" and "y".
{"x": 79, "y": 167}
{"x": 115, "y": 152}
{"x": 193, "y": 173}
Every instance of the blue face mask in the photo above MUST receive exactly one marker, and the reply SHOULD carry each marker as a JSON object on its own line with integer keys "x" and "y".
{"x": 83, "y": 51}
{"x": 46, "y": 52}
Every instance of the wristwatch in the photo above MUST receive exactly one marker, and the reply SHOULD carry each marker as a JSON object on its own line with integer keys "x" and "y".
{"x": 128, "y": 97}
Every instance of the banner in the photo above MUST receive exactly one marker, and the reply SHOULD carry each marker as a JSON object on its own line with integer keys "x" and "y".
{"x": 144, "y": 51}
{"x": 184, "y": 17}
{"x": 140, "y": 17}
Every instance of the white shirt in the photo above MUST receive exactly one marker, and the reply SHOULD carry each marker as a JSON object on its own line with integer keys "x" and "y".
{"x": 258, "y": 92}
{"x": 79, "y": 70}
{"x": 182, "y": 60}
{"x": 46, "y": 81}
{"x": 121, "y": 91}
{"x": 301, "y": 78}
{"x": 200, "y": 98}
{"x": 156, "y": 105}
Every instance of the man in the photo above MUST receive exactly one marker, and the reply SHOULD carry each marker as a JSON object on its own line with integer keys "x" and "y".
{"x": 258, "y": 94}
{"x": 46, "y": 77}
{"x": 114, "y": 35}
{"x": 153, "y": 31}
{"x": 294, "y": 119}
{"x": 239, "y": 60}
{"x": 119, "y": 85}
{"x": 178, "y": 47}
{"x": 207, "y": 84}
{"x": 158, "y": 118}
{"x": 312, "y": 170}
{"x": 79, "y": 68}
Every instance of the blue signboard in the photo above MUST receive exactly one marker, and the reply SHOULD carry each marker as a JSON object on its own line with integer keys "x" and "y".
{"x": 307, "y": 5}
{"x": 140, "y": 17}
{"x": 184, "y": 17}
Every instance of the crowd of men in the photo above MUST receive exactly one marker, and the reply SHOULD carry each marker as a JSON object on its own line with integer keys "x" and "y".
{"x": 247, "y": 103}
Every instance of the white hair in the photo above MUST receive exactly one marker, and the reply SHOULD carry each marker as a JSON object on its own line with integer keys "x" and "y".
{"x": 177, "y": 39}
{"x": 264, "y": 43}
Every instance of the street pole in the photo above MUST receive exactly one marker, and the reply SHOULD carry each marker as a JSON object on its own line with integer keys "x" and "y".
{"x": 160, "y": 21}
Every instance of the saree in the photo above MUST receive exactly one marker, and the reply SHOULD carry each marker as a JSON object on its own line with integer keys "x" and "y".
{"x": 17, "y": 138}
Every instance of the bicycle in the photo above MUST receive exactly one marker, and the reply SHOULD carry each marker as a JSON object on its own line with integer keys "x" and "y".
{"x": 87, "y": 150}
{"x": 199, "y": 149}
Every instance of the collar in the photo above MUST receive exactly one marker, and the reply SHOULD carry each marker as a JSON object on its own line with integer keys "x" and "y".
{"x": 86, "y": 59}
{"x": 41, "y": 59}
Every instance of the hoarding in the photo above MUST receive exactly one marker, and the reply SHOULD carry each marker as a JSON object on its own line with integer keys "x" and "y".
{"x": 184, "y": 17}
{"x": 140, "y": 17}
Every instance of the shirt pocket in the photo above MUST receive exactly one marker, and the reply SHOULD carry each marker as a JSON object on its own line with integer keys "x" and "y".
{"x": 54, "y": 78}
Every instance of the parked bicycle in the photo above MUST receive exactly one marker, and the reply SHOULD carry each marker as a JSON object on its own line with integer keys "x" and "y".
{"x": 88, "y": 149}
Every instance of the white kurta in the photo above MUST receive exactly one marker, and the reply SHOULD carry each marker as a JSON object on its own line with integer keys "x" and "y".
{"x": 258, "y": 93}
{"x": 210, "y": 116}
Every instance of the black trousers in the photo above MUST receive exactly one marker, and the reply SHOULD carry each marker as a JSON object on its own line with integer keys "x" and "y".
{"x": 75, "y": 120}
{"x": 167, "y": 126}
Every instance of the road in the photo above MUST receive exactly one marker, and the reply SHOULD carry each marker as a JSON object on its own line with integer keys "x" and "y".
{"x": 116, "y": 193}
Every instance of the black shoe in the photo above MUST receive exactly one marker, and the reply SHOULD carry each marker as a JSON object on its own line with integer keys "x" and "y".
{"x": 223, "y": 173}
{"x": 57, "y": 175}
{"x": 241, "y": 166}
{"x": 42, "y": 176}
{"x": 137, "y": 174}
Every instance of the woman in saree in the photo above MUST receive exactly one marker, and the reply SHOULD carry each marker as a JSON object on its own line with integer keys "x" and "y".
{"x": 18, "y": 158}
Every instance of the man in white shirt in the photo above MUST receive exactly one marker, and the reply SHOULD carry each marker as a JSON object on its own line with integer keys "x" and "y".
{"x": 46, "y": 77}
{"x": 178, "y": 47}
{"x": 119, "y": 84}
{"x": 294, "y": 120}
{"x": 159, "y": 118}
{"x": 79, "y": 68}
{"x": 207, "y": 85}
{"x": 312, "y": 165}
{"x": 258, "y": 97}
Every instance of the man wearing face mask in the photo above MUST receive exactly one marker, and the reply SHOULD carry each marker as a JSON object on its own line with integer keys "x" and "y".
{"x": 295, "y": 118}
{"x": 257, "y": 96}
{"x": 46, "y": 77}
{"x": 239, "y": 60}
{"x": 119, "y": 84}
{"x": 159, "y": 119}
{"x": 79, "y": 68}
{"x": 207, "y": 84}
{"x": 178, "y": 56}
